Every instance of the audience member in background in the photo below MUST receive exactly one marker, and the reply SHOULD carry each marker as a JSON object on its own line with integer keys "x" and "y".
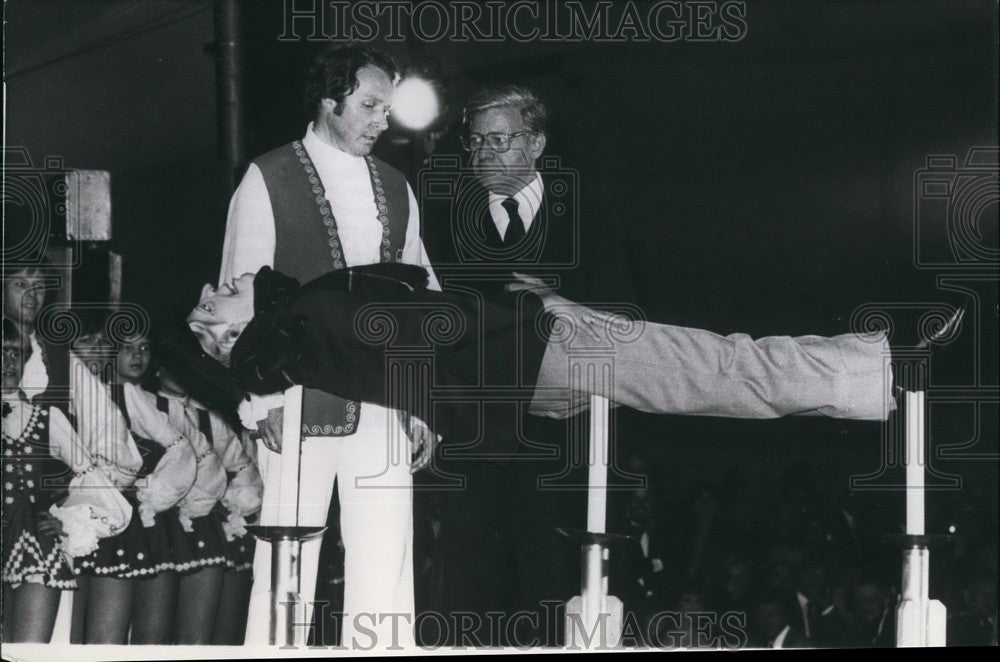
{"x": 734, "y": 585}
{"x": 690, "y": 624}
{"x": 637, "y": 573}
{"x": 873, "y": 617}
{"x": 831, "y": 625}
{"x": 773, "y": 624}
{"x": 812, "y": 594}
{"x": 975, "y": 623}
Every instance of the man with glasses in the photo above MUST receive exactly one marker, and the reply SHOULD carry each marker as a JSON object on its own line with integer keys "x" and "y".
{"x": 513, "y": 210}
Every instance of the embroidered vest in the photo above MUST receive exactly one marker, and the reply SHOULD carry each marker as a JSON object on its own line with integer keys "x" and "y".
{"x": 307, "y": 246}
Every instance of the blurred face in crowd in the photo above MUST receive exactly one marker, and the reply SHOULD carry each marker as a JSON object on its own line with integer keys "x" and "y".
{"x": 981, "y": 596}
{"x": 363, "y": 115}
{"x": 94, "y": 349}
{"x": 771, "y": 619}
{"x": 505, "y": 172}
{"x": 737, "y": 577}
{"x": 134, "y": 356}
{"x": 15, "y": 354}
{"x": 23, "y": 295}
{"x": 869, "y": 603}
{"x": 813, "y": 582}
{"x": 690, "y": 601}
{"x": 221, "y": 315}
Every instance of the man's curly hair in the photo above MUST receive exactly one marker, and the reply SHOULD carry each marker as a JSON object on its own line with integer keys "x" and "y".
{"x": 333, "y": 73}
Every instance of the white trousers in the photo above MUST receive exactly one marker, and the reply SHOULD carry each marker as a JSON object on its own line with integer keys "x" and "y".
{"x": 372, "y": 469}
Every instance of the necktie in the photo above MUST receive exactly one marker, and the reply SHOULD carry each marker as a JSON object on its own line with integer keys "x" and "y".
{"x": 515, "y": 228}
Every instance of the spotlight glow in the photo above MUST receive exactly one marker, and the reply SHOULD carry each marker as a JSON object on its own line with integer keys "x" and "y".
{"x": 416, "y": 104}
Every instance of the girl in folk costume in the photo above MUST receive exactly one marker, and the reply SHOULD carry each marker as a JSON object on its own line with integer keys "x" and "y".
{"x": 241, "y": 503}
{"x": 129, "y": 583}
{"x": 226, "y": 490}
{"x": 43, "y": 527}
{"x": 240, "y": 506}
{"x": 35, "y": 566}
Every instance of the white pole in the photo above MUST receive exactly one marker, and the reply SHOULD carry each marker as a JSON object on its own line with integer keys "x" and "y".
{"x": 597, "y": 479}
{"x": 595, "y": 588}
{"x": 291, "y": 453}
{"x": 914, "y": 461}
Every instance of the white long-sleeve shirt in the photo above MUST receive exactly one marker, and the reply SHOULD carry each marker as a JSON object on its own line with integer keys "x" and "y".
{"x": 250, "y": 234}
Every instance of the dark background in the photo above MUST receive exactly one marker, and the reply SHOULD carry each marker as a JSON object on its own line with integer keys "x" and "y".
{"x": 764, "y": 186}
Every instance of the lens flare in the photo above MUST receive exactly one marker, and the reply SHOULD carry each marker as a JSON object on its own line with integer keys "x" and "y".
{"x": 416, "y": 104}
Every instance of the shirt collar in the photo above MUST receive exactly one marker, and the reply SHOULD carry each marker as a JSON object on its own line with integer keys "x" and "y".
{"x": 529, "y": 200}
{"x": 323, "y": 151}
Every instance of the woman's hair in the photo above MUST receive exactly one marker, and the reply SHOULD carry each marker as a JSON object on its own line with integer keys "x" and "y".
{"x": 12, "y": 333}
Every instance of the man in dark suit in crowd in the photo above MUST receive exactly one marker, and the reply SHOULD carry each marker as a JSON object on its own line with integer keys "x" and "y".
{"x": 774, "y": 624}
{"x": 516, "y": 209}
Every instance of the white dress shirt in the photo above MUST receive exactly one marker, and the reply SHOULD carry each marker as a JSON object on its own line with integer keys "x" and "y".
{"x": 779, "y": 641}
{"x": 529, "y": 201}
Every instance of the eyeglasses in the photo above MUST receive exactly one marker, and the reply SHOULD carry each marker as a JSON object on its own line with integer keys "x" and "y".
{"x": 498, "y": 142}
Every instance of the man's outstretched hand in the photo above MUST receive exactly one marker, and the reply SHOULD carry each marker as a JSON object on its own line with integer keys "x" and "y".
{"x": 530, "y": 283}
{"x": 270, "y": 429}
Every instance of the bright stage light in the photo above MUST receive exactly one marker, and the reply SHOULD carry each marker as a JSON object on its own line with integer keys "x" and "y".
{"x": 416, "y": 104}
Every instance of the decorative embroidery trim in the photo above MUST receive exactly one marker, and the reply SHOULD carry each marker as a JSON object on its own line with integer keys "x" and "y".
{"x": 155, "y": 570}
{"x": 18, "y": 454}
{"x": 200, "y": 563}
{"x": 380, "y": 205}
{"x": 204, "y": 455}
{"x": 27, "y": 558}
{"x": 319, "y": 194}
{"x": 351, "y": 419}
{"x": 35, "y": 422}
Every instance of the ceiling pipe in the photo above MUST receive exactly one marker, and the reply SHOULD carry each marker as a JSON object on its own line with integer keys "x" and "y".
{"x": 228, "y": 49}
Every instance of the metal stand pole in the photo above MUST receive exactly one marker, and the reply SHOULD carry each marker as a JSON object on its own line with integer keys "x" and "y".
{"x": 594, "y": 618}
{"x": 287, "y": 537}
{"x": 920, "y": 621}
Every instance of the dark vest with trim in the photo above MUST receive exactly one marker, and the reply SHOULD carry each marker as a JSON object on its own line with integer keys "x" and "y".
{"x": 307, "y": 246}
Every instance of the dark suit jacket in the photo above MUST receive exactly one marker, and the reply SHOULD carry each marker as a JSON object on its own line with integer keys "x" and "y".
{"x": 364, "y": 334}
{"x": 467, "y": 251}
{"x": 571, "y": 243}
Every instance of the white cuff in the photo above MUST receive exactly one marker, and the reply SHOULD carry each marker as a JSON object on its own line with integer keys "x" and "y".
{"x": 256, "y": 408}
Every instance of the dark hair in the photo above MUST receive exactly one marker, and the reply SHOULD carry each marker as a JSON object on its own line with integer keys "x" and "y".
{"x": 12, "y": 332}
{"x": 333, "y": 73}
{"x": 522, "y": 99}
{"x": 40, "y": 266}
